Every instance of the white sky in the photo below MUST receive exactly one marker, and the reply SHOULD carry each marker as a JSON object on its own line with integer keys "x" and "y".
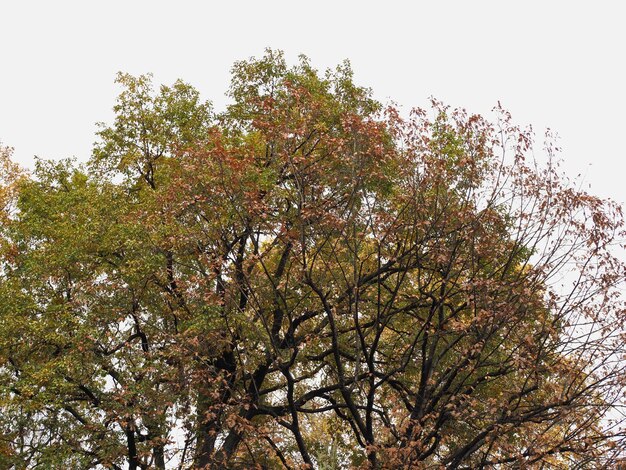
{"x": 551, "y": 63}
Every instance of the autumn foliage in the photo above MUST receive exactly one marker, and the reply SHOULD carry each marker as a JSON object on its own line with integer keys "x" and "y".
{"x": 307, "y": 280}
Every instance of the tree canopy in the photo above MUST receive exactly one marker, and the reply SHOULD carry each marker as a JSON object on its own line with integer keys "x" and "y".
{"x": 309, "y": 279}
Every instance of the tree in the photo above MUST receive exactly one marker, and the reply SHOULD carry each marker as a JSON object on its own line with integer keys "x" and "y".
{"x": 308, "y": 279}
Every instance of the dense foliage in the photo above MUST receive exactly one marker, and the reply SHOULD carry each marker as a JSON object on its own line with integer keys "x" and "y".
{"x": 306, "y": 280}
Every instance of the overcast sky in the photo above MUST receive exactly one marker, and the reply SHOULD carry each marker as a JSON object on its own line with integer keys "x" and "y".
{"x": 551, "y": 63}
